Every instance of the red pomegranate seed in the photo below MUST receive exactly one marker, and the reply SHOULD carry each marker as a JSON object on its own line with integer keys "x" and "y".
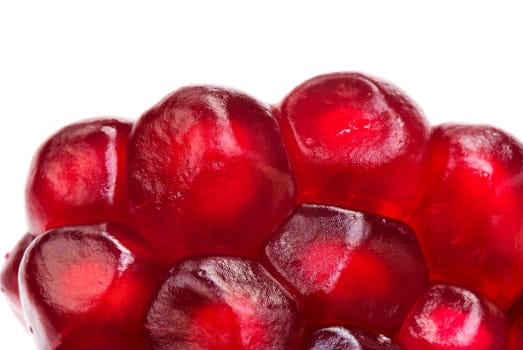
{"x": 9, "y": 275}
{"x": 223, "y": 303}
{"x": 351, "y": 140}
{"x": 208, "y": 173}
{"x": 340, "y": 338}
{"x": 337, "y": 258}
{"x": 77, "y": 176}
{"x": 79, "y": 284}
{"x": 333, "y": 338}
{"x": 374, "y": 341}
{"x": 471, "y": 218}
{"x": 451, "y": 318}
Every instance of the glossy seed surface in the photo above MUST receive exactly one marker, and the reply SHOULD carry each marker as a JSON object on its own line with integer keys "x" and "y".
{"x": 335, "y": 219}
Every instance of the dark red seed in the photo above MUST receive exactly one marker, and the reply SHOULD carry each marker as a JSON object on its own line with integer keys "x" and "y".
{"x": 341, "y": 338}
{"x": 349, "y": 267}
{"x": 223, "y": 304}
{"x": 374, "y": 341}
{"x": 208, "y": 174}
{"x": 333, "y": 338}
{"x": 9, "y": 275}
{"x": 515, "y": 338}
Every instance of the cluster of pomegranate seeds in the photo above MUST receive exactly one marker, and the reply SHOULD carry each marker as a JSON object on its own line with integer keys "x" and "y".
{"x": 336, "y": 220}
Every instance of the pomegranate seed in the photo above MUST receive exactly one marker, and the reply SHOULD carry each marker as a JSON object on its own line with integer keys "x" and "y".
{"x": 374, "y": 341}
{"x": 339, "y": 338}
{"x": 9, "y": 275}
{"x": 449, "y": 318}
{"x": 223, "y": 304}
{"x": 351, "y": 138}
{"x": 469, "y": 223}
{"x": 80, "y": 282}
{"x": 336, "y": 258}
{"x": 333, "y": 338}
{"x": 208, "y": 174}
{"x": 77, "y": 176}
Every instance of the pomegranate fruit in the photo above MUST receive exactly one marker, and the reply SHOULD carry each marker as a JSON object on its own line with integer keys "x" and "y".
{"x": 338, "y": 219}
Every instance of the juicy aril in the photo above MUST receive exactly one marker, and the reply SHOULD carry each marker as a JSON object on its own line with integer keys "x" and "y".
{"x": 338, "y": 219}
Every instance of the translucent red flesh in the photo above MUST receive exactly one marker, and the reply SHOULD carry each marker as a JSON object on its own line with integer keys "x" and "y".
{"x": 208, "y": 174}
{"x": 9, "y": 275}
{"x": 351, "y": 138}
{"x": 358, "y": 257}
{"x": 469, "y": 222}
{"x": 223, "y": 303}
{"x": 340, "y": 338}
{"x": 79, "y": 283}
{"x": 515, "y": 338}
{"x": 276, "y": 238}
{"x": 334, "y": 338}
{"x": 448, "y": 318}
{"x": 374, "y": 341}
{"x": 77, "y": 176}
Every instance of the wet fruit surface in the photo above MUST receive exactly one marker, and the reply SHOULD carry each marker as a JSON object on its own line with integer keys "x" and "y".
{"x": 448, "y": 317}
{"x": 208, "y": 173}
{"x": 333, "y": 338}
{"x": 9, "y": 275}
{"x": 223, "y": 303}
{"x": 469, "y": 222}
{"x": 336, "y": 258}
{"x": 77, "y": 176}
{"x": 338, "y": 219}
{"x": 351, "y": 138}
{"x": 75, "y": 284}
{"x": 340, "y": 338}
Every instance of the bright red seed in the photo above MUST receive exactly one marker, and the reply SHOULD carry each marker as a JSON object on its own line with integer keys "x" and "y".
{"x": 208, "y": 174}
{"x": 450, "y": 318}
{"x": 470, "y": 220}
{"x": 81, "y": 285}
{"x": 351, "y": 140}
{"x": 78, "y": 176}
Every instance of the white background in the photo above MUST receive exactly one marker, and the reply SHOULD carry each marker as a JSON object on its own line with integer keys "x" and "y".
{"x": 60, "y": 62}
